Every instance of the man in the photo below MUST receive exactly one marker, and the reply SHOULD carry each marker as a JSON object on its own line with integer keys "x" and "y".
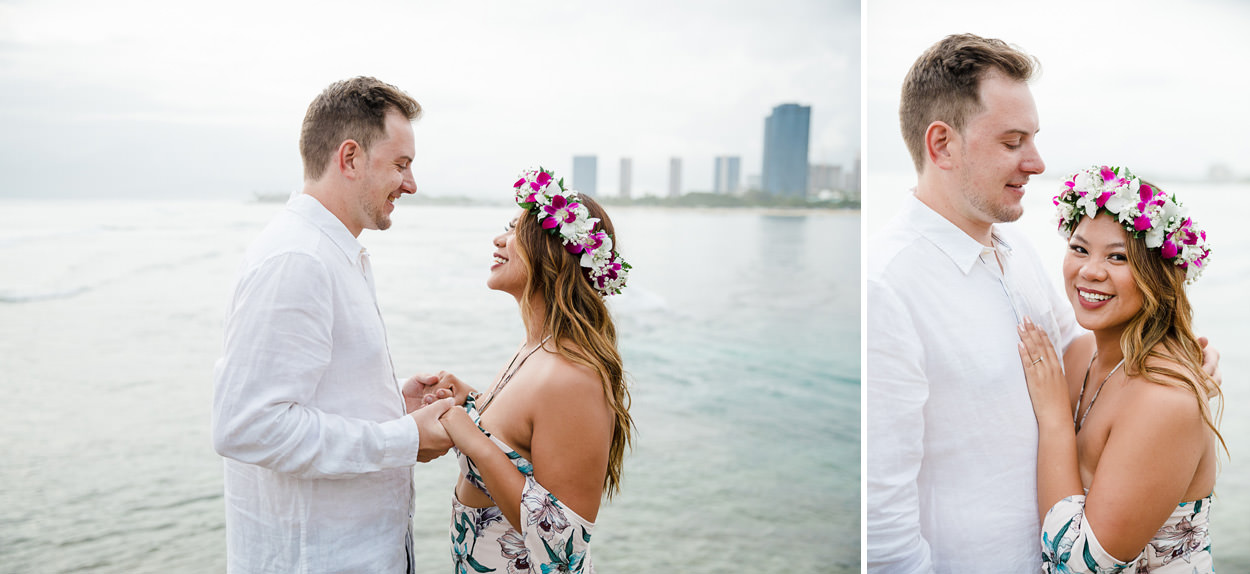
{"x": 952, "y": 440}
{"x": 307, "y": 409}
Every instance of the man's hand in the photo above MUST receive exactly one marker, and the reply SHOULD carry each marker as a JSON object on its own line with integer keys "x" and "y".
{"x": 422, "y": 390}
{"x": 434, "y": 439}
{"x": 1211, "y": 362}
{"x": 417, "y": 388}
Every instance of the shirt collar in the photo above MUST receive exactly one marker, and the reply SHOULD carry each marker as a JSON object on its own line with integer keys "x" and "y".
{"x": 961, "y": 248}
{"x": 309, "y": 208}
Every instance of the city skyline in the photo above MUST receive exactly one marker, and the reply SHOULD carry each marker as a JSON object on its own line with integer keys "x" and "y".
{"x": 788, "y": 125}
{"x": 89, "y": 85}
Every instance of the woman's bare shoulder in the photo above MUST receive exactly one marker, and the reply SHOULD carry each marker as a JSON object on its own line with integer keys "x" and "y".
{"x": 559, "y": 378}
{"x": 1168, "y": 393}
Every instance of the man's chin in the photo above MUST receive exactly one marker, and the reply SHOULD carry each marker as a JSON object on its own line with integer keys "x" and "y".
{"x": 1007, "y": 213}
{"x": 380, "y": 223}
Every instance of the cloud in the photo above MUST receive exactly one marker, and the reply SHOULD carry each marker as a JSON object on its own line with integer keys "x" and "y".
{"x": 165, "y": 90}
{"x": 1143, "y": 83}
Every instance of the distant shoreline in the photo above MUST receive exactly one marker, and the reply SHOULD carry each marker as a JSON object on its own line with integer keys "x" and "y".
{"x": 690, "y": 202}
{"x": 756, "y": 209}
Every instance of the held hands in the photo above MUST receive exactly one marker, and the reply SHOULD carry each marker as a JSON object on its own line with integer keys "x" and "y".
{"x": 430, "y": 400}
{"x": 460, "y": 428}
{"x": 421, "y": 390}
{"x": 1043, "y": 372}
{"x": 434, "y": 439}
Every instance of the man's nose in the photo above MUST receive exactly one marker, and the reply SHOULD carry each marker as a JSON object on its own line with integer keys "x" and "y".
{"x": 1032, "y": 163}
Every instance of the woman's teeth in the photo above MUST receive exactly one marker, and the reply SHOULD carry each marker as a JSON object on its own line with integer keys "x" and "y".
{"x": 1094, "y": 297}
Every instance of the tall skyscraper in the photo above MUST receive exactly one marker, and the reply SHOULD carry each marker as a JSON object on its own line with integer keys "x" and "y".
{"x": 586, "y": 174}
{"x": 627, "y": 176}
{"x": 785, "y": 150}
{"x": 674, "y": 177}
{"x": 726, "y": 177}
{"x": 852, "y": 180}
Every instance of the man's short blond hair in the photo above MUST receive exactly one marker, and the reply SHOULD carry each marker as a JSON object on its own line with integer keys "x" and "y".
{"x": 943, "y": 85}
{"x": 352, "y": 109}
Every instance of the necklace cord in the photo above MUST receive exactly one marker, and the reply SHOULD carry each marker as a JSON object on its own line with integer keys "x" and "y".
{"x": 1081, "y": 397}
{"x": 508, "y": 372}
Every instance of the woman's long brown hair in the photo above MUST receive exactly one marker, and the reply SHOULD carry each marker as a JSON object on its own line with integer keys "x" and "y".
{"x": 578, "y": 321}
{"x": 1162, "y": 332}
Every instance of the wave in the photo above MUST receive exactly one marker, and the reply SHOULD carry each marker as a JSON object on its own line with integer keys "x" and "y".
{"x": 13, "y": 297}
{"x": 17, "y": 240}
{"x": 7, "y": 297}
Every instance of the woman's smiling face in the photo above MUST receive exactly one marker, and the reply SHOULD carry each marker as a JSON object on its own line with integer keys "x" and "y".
{"x": 1097, "y": 275}
{"x": 508, "y": 273}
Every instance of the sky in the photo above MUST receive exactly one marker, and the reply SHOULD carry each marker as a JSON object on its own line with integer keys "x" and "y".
{"x": 1156, "y": 85}
{"x": 146, "y": 98}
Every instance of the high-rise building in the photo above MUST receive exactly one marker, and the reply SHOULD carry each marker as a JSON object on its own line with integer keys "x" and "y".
{"x": 852, "y": 180}
{"x": 785, "y": 150}
{"x": 726, "y": 177}
{"x": 585, "y": 174}
{"x": 627, "y": 176}
{"x": 823, "y": 177}
{"x": 674, "y": 177}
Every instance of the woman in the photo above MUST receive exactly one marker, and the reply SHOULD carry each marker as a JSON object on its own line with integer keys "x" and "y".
{"x": 1127, "y": 443}
{"x": 540, "y": 447}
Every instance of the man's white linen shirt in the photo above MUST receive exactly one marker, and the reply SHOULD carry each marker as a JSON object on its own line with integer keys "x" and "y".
{"x": 307, "y": 409}
{"x": 952, "y": 438}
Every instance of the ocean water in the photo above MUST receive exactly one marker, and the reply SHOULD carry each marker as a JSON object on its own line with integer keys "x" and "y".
{"x": 740, "y": 332}
{"x": 1220, "y": 314}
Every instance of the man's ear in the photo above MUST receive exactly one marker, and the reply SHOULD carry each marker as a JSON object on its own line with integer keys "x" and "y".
{"x": 348, "y": 159}
{"x": 940, "y": 144}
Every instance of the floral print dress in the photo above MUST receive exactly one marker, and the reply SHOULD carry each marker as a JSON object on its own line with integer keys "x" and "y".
{"x": 552, "y": 539}
{"x": 1182, "y": 545}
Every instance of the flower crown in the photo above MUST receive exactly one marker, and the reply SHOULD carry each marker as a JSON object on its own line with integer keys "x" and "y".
{"x": 561, "y": 214}
{"x": 1145, "y": 211}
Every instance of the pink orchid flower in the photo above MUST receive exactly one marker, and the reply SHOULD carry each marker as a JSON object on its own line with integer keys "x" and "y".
{"x": 1169, "y": 249}
{"x": 560, "y": 210}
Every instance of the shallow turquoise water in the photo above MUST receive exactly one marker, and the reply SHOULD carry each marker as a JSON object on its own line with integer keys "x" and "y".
{"x": 739, "y": 331}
